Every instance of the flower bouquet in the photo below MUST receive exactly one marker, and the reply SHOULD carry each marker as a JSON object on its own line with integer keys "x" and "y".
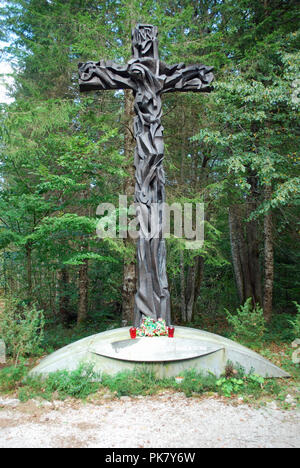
{"x": 151, "y": 328}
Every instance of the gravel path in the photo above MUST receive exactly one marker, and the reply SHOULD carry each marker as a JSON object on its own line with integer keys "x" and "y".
{"x": 163, "y": 421}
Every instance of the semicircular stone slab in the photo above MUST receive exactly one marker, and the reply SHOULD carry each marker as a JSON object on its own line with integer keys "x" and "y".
{"x": 155, "y": 349}
{"x": 112, "y": 351}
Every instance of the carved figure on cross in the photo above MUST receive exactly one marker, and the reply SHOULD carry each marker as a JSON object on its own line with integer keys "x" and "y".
{"x": 149, "y": 78}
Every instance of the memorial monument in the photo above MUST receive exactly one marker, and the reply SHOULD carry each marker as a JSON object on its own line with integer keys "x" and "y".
{"x": 113, "y": 351}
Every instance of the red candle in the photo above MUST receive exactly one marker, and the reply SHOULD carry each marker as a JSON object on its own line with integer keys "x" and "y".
{"x": 171, "y": 330}
{"x": 132, "y": 332}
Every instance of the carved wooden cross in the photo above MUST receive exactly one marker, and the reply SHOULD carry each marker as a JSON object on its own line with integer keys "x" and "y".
{"x": 149, "y": 78}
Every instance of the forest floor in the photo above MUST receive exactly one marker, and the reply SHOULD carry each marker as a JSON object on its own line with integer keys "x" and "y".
{"x": 166, "y": 420}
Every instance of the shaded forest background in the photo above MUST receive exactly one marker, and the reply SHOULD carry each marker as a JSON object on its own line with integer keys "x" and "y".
{"x": 63, "y": 153}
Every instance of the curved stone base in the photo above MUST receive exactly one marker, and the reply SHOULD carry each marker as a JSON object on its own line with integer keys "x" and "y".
{"x": 112, "y": 352}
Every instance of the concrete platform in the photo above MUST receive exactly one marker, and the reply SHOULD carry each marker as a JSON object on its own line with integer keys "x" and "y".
{"x": 112, "y": 351}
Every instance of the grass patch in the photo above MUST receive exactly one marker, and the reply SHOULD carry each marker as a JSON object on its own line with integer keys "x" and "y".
{"x": 137, "y": 382}
{"x": 144, "y": 382}
{"x": 195, "y": 383}
{"x": 84, "y": 382}
{"x": 79, "y": 383}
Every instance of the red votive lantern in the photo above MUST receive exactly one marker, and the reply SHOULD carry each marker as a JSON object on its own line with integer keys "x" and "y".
{"x": 171, "y": 330}
{"x": 132, "y": 332}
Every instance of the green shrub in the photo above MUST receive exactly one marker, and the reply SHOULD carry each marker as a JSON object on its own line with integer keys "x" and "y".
{"x": 296, "y": 322}
{"x": 229, "y": 386}
{"x": 21, "y": 328}
{"x": 280, "y": 329}
{"x": 248, "y": 323}
{"x": 10, "y": 377}
{"x": 236, "y": 381}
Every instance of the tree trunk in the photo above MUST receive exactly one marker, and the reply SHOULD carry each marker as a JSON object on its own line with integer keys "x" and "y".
{"x": 182, "y": 287}
{"x": 253, "y": 242}
{"x": 129, "y": 270}
{"x": 53, "y": 292}
{"x": 83, "y": 292}
{"x": 129, "y": 290}
{"x": 254, "y": 263}
{"x": 64, "y": 299}
{"x": 191, "y": 278}
{"x": 29, "y": 270}
{"x": 198, "y": 282}
{"x": 235, "y": 242}
{"x": 269, "y": 260}
{"x": 245, "y": 254}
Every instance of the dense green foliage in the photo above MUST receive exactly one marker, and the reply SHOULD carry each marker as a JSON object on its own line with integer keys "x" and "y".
{"x": 248, "y": 323}
{"x": 296, "y": 322}
{"x": 22, "y": 329}
{"x": 61, "y": 154}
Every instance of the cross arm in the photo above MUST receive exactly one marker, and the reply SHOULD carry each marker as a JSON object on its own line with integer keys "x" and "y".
{"x": 104, "y": 75}
{"x": 180, "y": 77}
